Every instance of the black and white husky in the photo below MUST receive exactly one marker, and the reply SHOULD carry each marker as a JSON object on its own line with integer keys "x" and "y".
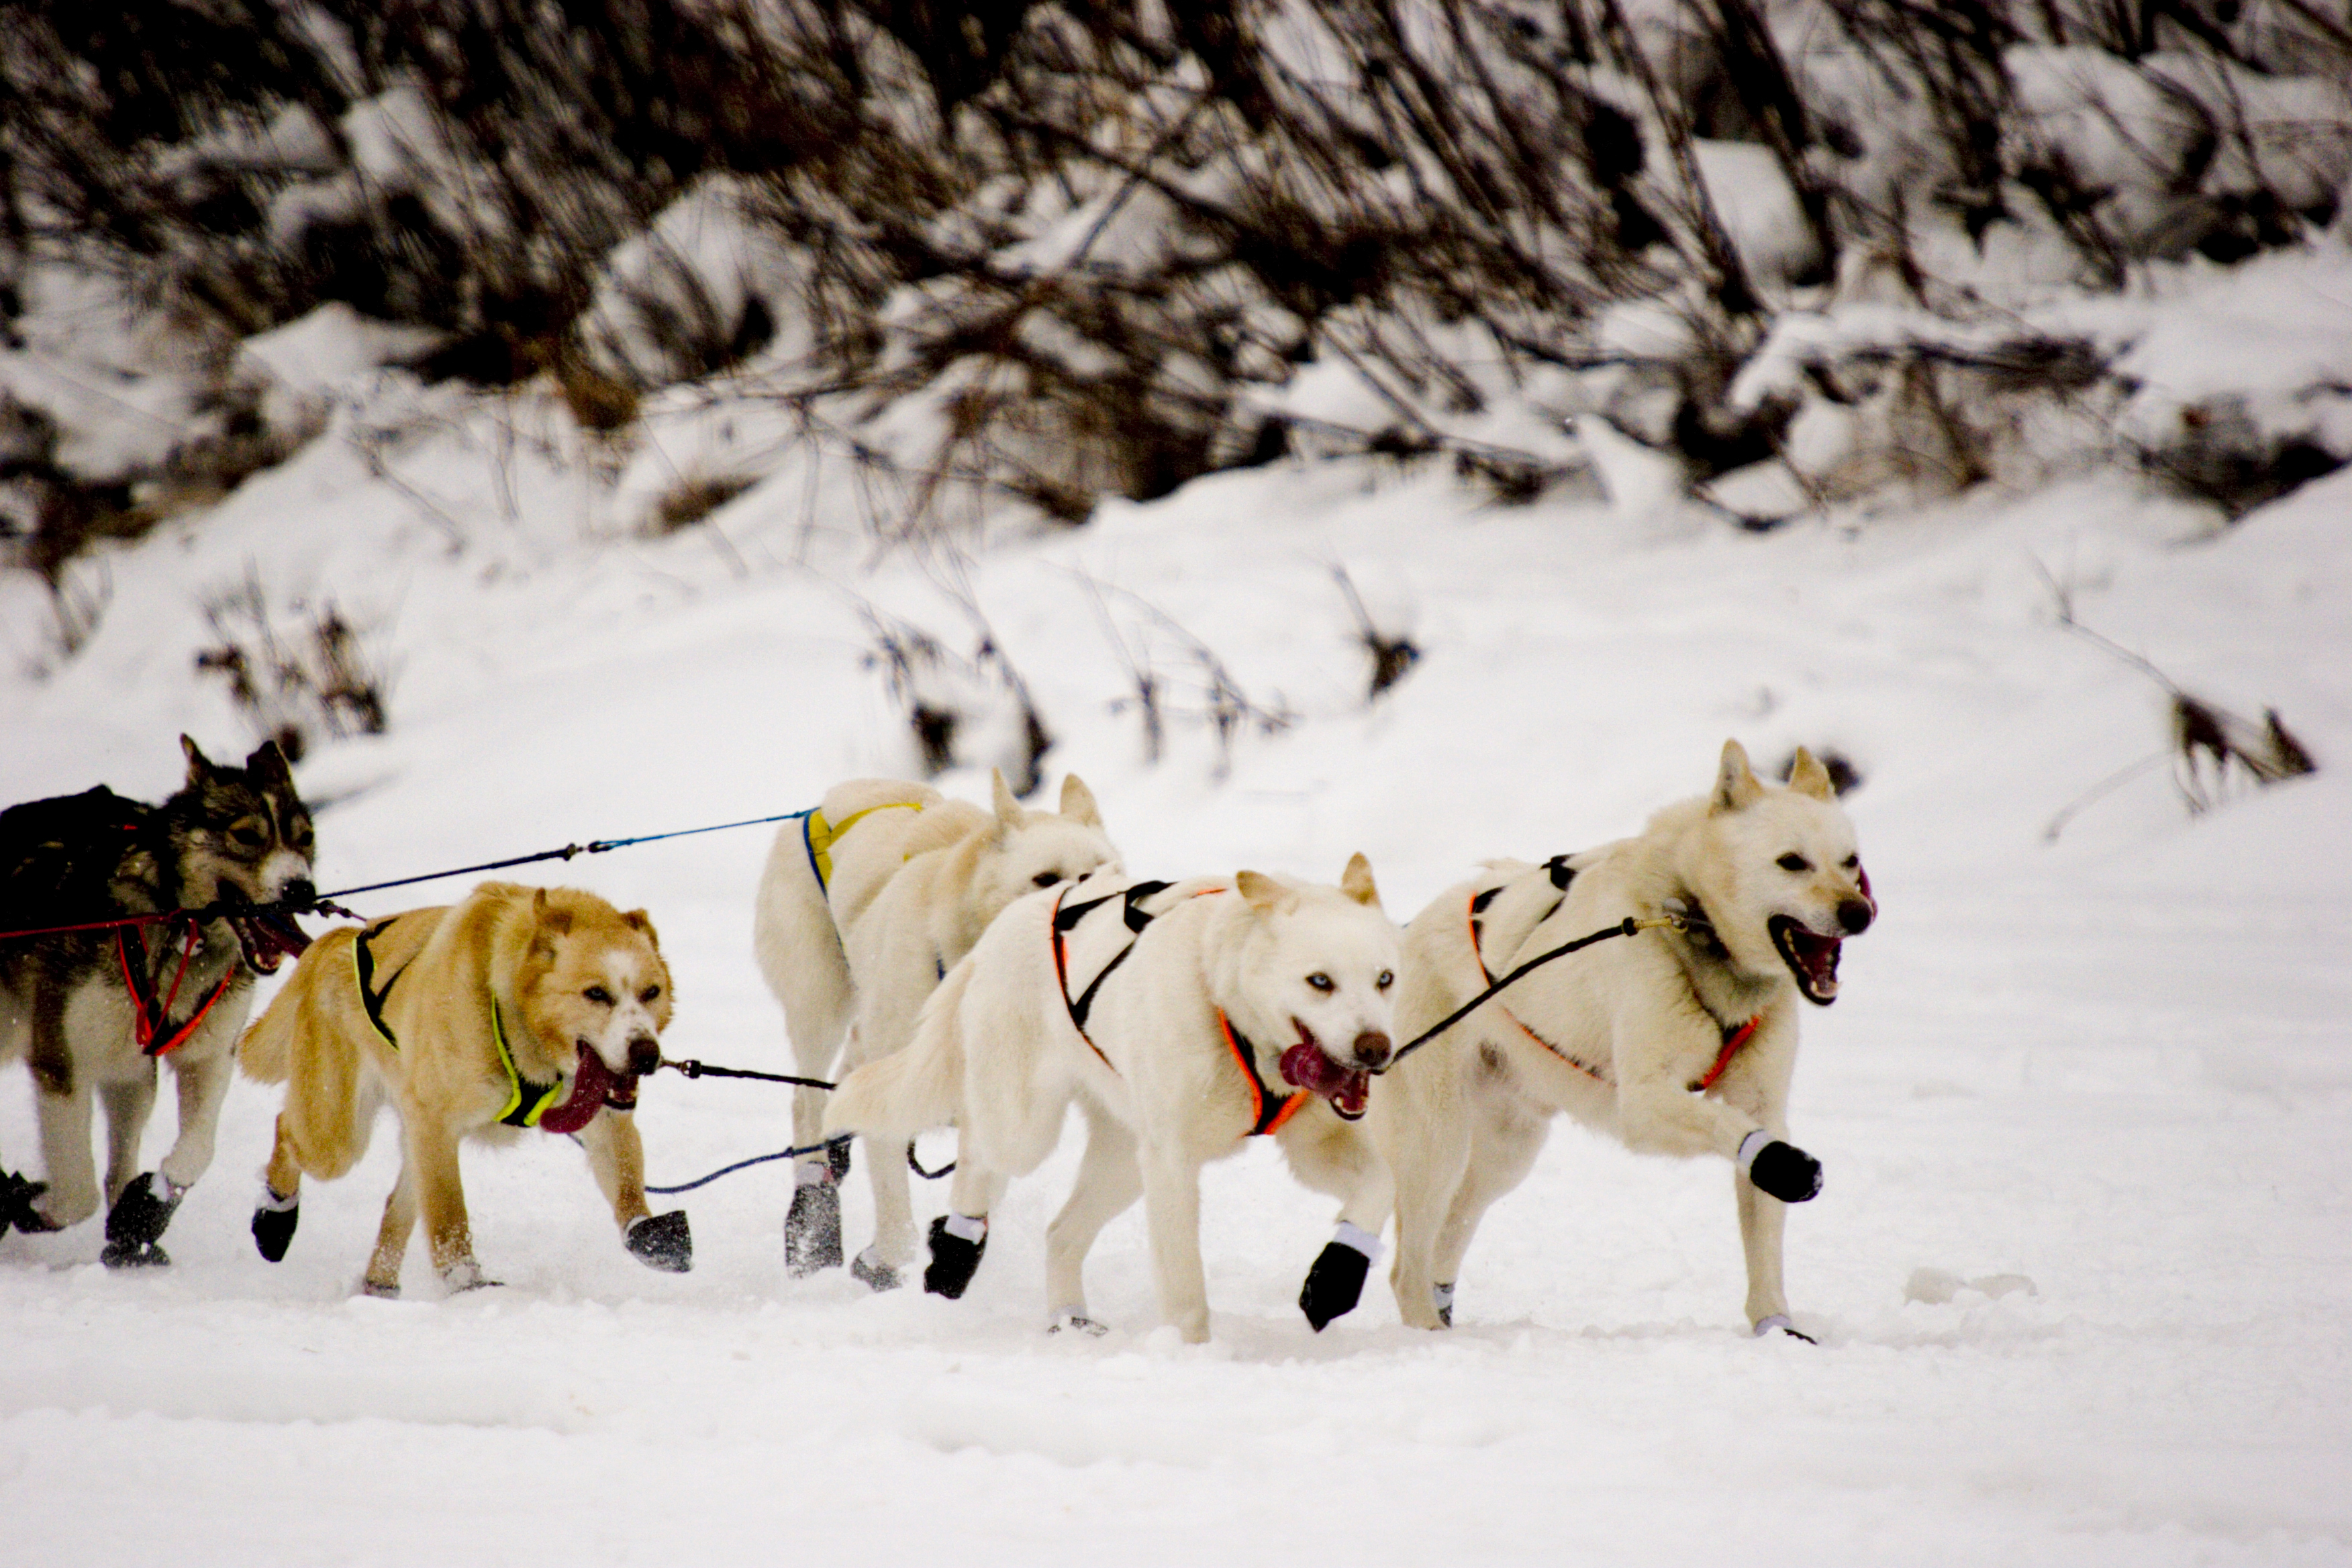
{"x": 92, "y": 1010}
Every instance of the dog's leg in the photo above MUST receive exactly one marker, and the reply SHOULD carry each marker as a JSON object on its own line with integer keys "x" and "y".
{"x": 1110, "y": 1181}
{"x": 281, "y": 1209}
{"x": 72, "y": 1169}
{"x": 392, "y": 1236}
{"x": 959, "y": 1236}
{"x": 138, "y": 1208}
{"x": 1762, "y": 1218}
{"x": 1502, "y": 1153}
{"x": 1429, "y": 1154}
{"x": 1338, "y": 1159}
{"x": 616, "y": 1156}
{"x": 203, "y": 1089}
{"x": 1171, "y": 1212}
{"x": 432, "y": 1157}
{"x": 128, "y": 1102}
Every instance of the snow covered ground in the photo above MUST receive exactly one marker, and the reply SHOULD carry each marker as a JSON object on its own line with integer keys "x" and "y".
{"x": 2078, "y": 1273}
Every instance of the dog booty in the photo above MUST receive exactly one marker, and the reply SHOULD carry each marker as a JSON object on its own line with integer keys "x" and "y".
{"x": 1779, "y": 1169}
{"x": 274, "y": 1220}
{"x": 1334, "y": 1285}
{"x": 137, "y": 1221}
{"x": 955, "y": 1258}
{"x": 812, "y": 1228}
{"x": 17, "y": 1197}
{"x": 1442, "y": 1298}
{"x": 660, "y": 1241}
{"x": 836, "y": 1158}
{"x": 868, "y": 1269}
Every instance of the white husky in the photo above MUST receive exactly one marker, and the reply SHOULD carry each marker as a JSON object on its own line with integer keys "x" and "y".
{"x": 864, "y": 904}
{"x": 1169, "y": 1013}
{"x": 1679, "y": 1040}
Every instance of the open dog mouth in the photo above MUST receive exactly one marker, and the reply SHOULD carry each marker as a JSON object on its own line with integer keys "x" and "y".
{"x": 1305, "y": 1066}
{"x": 268, "y": 939}
{"x": 1812, "y": 958}
{"x": 594, "y": 1088}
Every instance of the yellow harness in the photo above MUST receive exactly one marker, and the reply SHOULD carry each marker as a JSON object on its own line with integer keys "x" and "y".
{"x": 821, "y": 835}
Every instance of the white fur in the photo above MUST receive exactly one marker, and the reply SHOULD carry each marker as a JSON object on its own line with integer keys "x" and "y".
{"x": 1460, "y": 1120}
{"x": 996, "y": 1053}
{"x": 915, "y": 881}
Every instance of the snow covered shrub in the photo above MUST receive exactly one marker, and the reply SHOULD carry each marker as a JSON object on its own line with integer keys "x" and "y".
{"x": 961, "y": 713}
{"x": 316, "y": 679}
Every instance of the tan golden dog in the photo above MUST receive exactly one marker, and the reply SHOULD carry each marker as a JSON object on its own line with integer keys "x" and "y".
{"x": 519, "y": 1008}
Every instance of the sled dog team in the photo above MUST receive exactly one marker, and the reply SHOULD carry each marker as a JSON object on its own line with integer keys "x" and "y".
{"x": 979, "y": 968}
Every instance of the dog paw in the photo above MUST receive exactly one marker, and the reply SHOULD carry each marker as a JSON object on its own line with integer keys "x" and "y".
{"x": 1076, "y": 1322}
{"x": 380, "y": 1292}
{"x": 1778, "y": 1322}
{"x": 273, "y": 1229}
{"x": 134, "y": 1255}
{"x": 1334, "y": 1284}
{"x": 17, "y": 1197}
{"x": 954, "y": 1259}
{"x": 460, "y": 1278}
{"x": 1441, "y": 1297}
{"x": 1779, "y": 1169}
{"x": 836, "y": 1159}
{"x": 872, "y": 1272}
{"x": 140, "y": 1215}
{"x": 812, "y": 1229}
{"x": 662, "y": 1241}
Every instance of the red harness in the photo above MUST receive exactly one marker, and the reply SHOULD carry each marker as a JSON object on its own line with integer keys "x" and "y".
{"x": 151, "y": 1016}
{"x": 1735, "y": 1035}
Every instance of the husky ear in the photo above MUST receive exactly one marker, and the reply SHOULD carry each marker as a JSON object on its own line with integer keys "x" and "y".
{"x": 1263, "y": 893}
{"x": 553, "y": 920}
{"x": 1807, "y": 776}
{"x": 637, "y": 920}
{"x": 1078, "y": 802}
{"x": 1735, "y": 785}
{"x": 1008, "y": 810}
{"x": 268, "y": 764}
{"x": 1356, "y": 881}
{"x": 200, "y": 767}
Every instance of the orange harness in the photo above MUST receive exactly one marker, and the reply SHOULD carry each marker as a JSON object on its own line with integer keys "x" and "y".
{"x": 1264, "y": 1118}
{"x": 1735, "y": 1035}
{"x": 150, "y": 1016}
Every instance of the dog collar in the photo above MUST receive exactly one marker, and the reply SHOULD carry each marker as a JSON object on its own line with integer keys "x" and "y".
{"x": 1268, "y": 1114}
{"x": 527, "y": 1103}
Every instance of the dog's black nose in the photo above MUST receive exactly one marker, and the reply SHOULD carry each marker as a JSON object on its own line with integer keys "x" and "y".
{"x": 1854, "y": 915}
{"x": 1373, "y": 1049}
{"x": 299, "y": 892}
{"x": 644, "y": 1054}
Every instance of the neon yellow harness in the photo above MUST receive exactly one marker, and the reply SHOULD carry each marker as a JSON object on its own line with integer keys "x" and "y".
{"x": 821, "y": 835}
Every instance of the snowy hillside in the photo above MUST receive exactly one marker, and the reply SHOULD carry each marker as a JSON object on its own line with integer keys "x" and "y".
{"x": 2078, "y": 1273}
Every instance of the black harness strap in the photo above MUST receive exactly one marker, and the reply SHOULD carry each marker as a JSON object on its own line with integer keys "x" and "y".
{"x": 363, "y": 963}
{"x": 1268, "y": 1110}
{"x": 1067, "y": 921}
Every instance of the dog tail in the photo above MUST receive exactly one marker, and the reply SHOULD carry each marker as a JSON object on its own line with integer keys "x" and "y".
{"x": 299, "y": 1040}
{"x": 916, "y": 1089}
{"x": 268, "y": 1049}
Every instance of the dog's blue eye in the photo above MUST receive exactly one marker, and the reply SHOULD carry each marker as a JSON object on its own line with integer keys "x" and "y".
{"x": 1386, "y": 979}
{"x": 599, "y": 995}
{"x": 1794, "y": 863}
{"x": 1319, "y": 981}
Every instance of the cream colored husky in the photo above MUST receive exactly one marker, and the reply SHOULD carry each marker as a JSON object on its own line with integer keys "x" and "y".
{"x": 1676, "y": 1041}
{"x": 864, "y": 904}
{"x": 1180, "y": 1019}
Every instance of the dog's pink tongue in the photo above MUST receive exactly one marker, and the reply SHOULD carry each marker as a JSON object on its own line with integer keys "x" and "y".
{"x": 1306, "y": 1067}
{"x": 591, "y": 1086}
